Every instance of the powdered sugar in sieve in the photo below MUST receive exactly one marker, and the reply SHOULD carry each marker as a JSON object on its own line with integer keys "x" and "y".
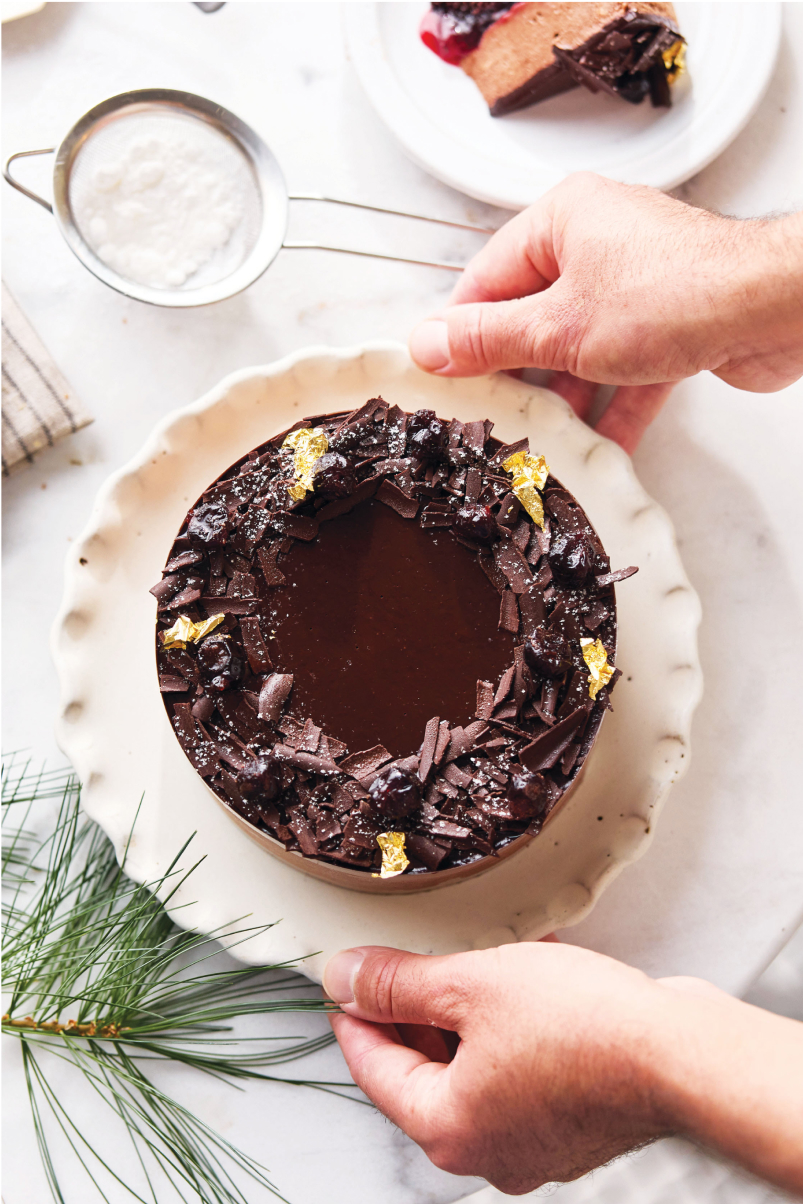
{"x": 165, "y": 199}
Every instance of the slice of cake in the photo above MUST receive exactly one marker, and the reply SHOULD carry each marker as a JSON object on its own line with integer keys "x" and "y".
{"x": 519, "y": 54}
{"x": 386, "y": 641}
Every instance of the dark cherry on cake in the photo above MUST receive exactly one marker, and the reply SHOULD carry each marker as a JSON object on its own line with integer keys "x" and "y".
{"x": 387, "y": 640}
{"x": 519, "y": 54}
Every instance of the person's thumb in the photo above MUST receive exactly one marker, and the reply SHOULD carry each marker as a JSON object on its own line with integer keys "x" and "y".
{"x": 471, "y": 340}
{"x": 389, "y": 986}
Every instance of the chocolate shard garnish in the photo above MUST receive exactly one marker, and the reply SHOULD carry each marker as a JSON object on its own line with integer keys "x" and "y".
{"x": 505, "y": 685}
{"x": 604, "y": 579}
{"x": 255, "y": 647}
{"x": 515, "y": 568}
{"x": 544, "y": 752}
{"x": 292, "y": 729}
{"x": 230, "y": 606}
{"x": 273, "y": 695}
{"x": 297, "y": 526}
{"x": 310, "y": 737}
{"x": 494, "y": 574}
{"x": 183, "y": 560}
{"x": 172, "y": 683}
{"x": 442, "y": 742}
{"x": 428, "y": 748}
{"x": 343, "y": 505}
{"x": 199, "y": 750}
{"x": 474, "y": 436}
{"x": 485, "y": 699}
{"x": 270, "y": 570}
{"x": 304, "y": 760}
{"x": 392, "y": 496}
{"x": 242, "y": 585}
{"x": 533, "y": 610}
{"x": 509, "y": 612}
{"x": 427, "y": 851}
{"x": 360, "y": 764}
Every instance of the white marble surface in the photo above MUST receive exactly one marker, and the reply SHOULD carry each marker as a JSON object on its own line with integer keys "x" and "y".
{"x": 721, "y": 888}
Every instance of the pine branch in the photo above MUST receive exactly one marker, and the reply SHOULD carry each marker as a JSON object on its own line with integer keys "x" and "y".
{"x": 99, "y": 976}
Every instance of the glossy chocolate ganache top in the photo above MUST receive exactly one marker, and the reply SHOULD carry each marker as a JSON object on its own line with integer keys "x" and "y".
{"x": 388, "y": 640}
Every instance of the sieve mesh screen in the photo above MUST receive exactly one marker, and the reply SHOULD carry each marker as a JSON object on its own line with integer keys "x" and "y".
{"x": 165, "y": 199}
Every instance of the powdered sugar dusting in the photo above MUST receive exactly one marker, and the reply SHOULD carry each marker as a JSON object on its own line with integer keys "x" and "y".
{"x": 158, "y": 206}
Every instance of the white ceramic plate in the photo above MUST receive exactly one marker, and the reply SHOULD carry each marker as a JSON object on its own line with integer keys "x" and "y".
{"x": 442, "y": 122}
{"x": 114, "y": 728}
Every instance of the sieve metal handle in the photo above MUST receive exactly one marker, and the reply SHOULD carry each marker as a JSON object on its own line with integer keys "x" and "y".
{"x": 50, "y": 150}
{"x": 418, "y": 217}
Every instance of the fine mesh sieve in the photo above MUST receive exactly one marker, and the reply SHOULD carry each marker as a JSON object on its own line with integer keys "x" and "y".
{"x": 253, "y": 207}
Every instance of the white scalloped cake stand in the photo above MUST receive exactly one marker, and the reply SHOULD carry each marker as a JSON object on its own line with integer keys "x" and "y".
{"x": 114, "y": 728}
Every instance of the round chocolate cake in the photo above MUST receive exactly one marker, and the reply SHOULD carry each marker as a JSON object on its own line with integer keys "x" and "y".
{"x": 387, "y": 641}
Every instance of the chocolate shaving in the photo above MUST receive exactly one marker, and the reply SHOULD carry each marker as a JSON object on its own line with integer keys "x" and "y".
{"x": 344, "y": 504}
{"x": 443, "y": 742}
{"x": 392, "y": 496}
{"x": 427, "y": 851}
{"x": 605, "y": 579}
{"x": 172, "y": 684}
{"x": 509, "y": 612}
{"x": 515, "y": 568}
{"x": 496, "y": 577}
{"x": 267, "y": 562}
{"x": 273, "y": 695}
{"x": 544, "y": 752}
{"x": 428, "y": 748}
{"x": 505, "y": 685}
{"x": 255, "y": 648}
{"x": 485, "y": 699}
{"x": 474, "y": 436}
{"x": 359, "y": 764}
{"x": 533, "y": 611}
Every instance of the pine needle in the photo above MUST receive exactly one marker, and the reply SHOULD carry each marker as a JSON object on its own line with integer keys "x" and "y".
{"x": 100, "y": 977}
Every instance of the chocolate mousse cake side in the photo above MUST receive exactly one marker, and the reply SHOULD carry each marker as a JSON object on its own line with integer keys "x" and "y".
{"x": 524, "y": 53}
{"x": 386, "y": 641}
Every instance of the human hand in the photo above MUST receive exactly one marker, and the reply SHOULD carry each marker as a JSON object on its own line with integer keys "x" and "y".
{"x": 607, "y": 283}
{"x": 538, "y": 1061}
{"x": 552, "y": 1074}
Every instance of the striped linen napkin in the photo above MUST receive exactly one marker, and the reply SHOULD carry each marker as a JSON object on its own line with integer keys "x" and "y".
{"x": 39, "y": 406}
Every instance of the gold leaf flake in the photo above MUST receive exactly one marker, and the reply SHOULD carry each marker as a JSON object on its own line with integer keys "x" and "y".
{"x": 394, "y": 858}
{"x": 599, "y": 671}
{"x": 309, "y": 446}
{"x": 675, "y": 60}
{"x": 529, "y": 476}
{"x": 184, "y": 631}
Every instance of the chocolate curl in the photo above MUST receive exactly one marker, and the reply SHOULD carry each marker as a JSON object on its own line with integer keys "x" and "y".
{"x": 273, "y": 696}
{"x": 429, "y": 746}
{"x": 255, "y": 648}
{"x": 485, "y": 700}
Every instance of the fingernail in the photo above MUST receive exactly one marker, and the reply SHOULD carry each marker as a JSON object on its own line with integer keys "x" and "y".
{"x": 429, "y": 345}
{"x": 338, "y": 977}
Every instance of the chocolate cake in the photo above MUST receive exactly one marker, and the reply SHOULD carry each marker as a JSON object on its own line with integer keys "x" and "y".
{"x": 387, "y": 640}
{"x": 519, "y": 54}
